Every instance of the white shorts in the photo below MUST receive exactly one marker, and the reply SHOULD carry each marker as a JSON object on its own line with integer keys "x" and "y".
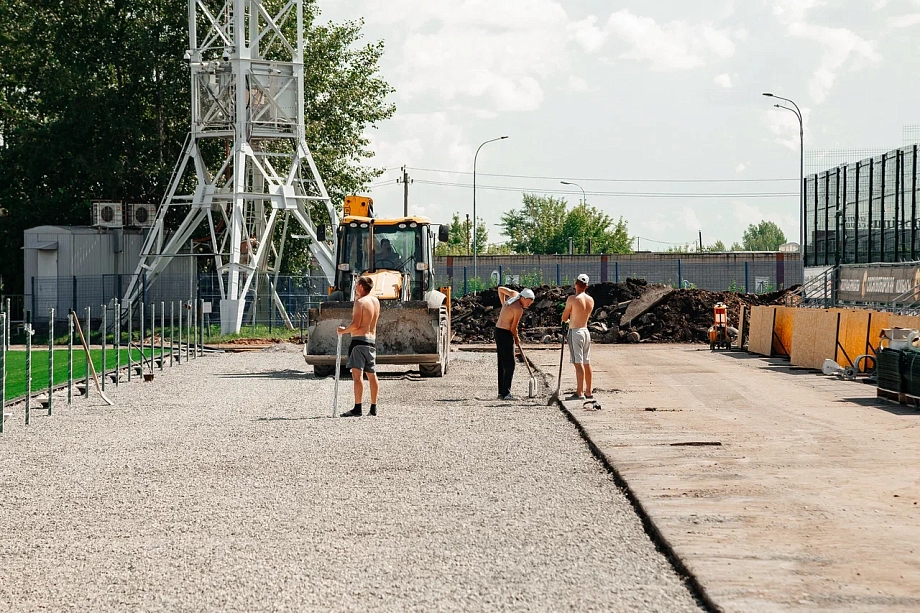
{"x": 580, "y": 345}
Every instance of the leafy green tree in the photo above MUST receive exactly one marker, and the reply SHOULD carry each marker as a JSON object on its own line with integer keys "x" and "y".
{"x": 765, "y": 236}
{"x": 460, "y": 238}
{"x": 544, "y": 224}
{"x": 94, "y": 103}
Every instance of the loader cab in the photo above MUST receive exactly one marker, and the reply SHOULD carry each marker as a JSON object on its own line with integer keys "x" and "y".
{"x": 389, "y": 249}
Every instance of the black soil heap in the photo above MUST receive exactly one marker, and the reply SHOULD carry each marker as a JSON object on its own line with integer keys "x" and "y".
{"x": 682, "y": 316}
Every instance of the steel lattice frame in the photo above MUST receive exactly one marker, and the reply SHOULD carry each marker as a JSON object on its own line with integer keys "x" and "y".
{"x": 264, "y": 174}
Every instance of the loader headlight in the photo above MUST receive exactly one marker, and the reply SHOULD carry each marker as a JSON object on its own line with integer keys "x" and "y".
{"x": 344, "y": 266}
{"x": 421, "y": 266}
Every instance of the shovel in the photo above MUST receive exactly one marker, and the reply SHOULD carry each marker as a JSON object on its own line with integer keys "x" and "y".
{"x": 89, "y": 359}
{"x": 338, "y": 364}
{"x": 532, "y": 386}
{"x": 555, "y": 397}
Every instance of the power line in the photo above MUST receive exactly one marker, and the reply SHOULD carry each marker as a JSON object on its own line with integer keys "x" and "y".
{"x": 616, "y": 194}
{"x": 485, "y": 174}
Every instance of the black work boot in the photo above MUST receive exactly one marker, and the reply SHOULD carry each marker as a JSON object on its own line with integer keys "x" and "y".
{"x": 373, "y": 411}
{"x": 355, "y": 412}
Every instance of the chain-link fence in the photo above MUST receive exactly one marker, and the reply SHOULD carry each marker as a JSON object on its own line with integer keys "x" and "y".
{"x": 270, "y": 301}
{"x": 747, "y": 273}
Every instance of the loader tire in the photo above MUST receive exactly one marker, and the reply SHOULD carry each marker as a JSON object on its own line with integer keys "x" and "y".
{"x": 322, "y": 370}
{"x": 430, "y": 370}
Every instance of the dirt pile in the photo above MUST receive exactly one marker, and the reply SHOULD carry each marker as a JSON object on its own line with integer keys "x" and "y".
{"x": 676, "y": 316}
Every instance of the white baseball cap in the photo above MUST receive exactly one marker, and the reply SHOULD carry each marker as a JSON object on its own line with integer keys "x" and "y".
{"x": 583, "y": 278}
{"x": 525, "y": 293}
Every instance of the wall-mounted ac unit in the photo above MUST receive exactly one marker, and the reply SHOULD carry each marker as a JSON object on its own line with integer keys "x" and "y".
{"x": 142, "y": 215}
{"x": 107, "y": 214}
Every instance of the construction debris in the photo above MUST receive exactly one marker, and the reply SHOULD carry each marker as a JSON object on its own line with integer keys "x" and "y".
{"x": 629, "y": 312}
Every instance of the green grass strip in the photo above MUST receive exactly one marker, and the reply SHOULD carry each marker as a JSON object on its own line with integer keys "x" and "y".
{"x": 16, "y": 367}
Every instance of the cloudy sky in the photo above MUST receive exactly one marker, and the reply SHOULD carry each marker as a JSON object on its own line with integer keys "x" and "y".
{"x": 654, "y": 108}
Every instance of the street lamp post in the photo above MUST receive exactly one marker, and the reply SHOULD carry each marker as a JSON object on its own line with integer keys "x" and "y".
{"x": 584, "y": 199}
{"x": 798, "y": 115}
{"x": 475, "y": 157}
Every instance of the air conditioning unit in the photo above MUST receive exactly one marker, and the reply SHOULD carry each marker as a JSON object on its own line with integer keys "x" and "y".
{"x": 107, "y": 214}
{"x": 142, "y": 215}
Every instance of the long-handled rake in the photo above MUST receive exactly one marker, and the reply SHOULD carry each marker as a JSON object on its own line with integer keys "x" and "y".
{"x": 338, "y": 364}
{"x": 555, "y": 397}
{"x": 89, "y": 359}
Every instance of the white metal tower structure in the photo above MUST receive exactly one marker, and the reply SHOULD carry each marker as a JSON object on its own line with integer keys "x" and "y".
{"x": 245, "y": 168}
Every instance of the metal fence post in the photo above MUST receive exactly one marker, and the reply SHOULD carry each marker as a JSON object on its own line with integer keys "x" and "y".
{"x": 70, "y": 317}
{"x": 89, "y": 341}
{"x": 73, "y": 297}
{"x": 162, "y": 332}
{"x": 616, "y": 272}
{"x": 130, "y": 338}
{"x": 116, "y": 335}
{"x": 4, "y": 316}
{"x": 179, "y": 354}
{"x": 28, "y": 329}
{"x": 466, "y": 286}
{"x": 172, "y": 331}
{"x": 558, "y": 274}
{"x": 104, "y": 332}
{"x": 50, "y": 358}
{"x": 501, "y": 275}
{"x": 201, "y": 324}
{"x": 680, "y": 274}
{"x": 141, "y": 326}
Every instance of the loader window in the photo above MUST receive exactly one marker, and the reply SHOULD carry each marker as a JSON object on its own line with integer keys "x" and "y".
{"x": 355, "y": 251}
{"x": 399, "y": 247}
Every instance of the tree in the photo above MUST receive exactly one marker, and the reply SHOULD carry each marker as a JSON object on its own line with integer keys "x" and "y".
{"x": 765, "y": 236}
{"x": 94, "y": 103}
{"x": 460, "y": 238}
{"x": 544, "y": 224}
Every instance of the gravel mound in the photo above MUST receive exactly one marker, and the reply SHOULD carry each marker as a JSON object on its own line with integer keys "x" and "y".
{"x": 224, "y": 485}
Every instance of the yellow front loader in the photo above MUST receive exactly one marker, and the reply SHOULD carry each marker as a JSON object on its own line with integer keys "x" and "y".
{"x": 397, "y": 253}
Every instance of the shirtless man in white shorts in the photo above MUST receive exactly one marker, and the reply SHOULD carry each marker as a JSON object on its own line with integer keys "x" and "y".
{"x": 577, "y": 312}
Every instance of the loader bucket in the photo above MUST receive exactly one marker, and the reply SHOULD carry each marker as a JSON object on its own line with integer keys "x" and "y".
{"x": 407, "y": 332}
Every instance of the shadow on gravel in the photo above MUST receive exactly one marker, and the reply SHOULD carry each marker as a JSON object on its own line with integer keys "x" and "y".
{"x": 276, "y": 374}
{"x": 294, "y": 418}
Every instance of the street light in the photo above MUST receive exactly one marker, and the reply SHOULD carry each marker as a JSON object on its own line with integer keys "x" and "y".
{"x": 475, "y": 157}
{"x": 584, "y": 199}
{"x": 798, "y": 115}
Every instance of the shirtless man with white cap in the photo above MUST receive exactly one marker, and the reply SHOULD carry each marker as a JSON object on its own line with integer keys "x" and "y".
{"x": 577, "y": 312}
{"x": 506, "y": 334}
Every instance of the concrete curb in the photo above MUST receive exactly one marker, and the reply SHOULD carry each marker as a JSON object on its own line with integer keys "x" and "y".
{"x": 660, "y": 541}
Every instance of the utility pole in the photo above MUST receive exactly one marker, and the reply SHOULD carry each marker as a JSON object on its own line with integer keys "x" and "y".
{"x": 701, "y": 241}
{"x": 405, "y": 180}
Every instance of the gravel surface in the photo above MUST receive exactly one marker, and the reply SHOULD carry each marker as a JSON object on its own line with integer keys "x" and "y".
{"x": 224, "y": 485}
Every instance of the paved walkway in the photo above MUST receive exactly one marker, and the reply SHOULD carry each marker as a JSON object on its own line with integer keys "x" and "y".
{"x": 780, "y": 489}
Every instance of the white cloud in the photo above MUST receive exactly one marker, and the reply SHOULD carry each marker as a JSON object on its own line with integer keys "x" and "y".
{"x": 491, "y": 55}
{"x": 785, "y": 125}
{"x": 793, "y": 11}
{"x": 904, "y": 21}
{"x": 577, "y": 84}
{"x": 841, "y": 47}
{"x": 675, "y": 45}
{"x": 587, "y": 34}
{"x": 689, "y": 218}
{"x": 724, "y": 80}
